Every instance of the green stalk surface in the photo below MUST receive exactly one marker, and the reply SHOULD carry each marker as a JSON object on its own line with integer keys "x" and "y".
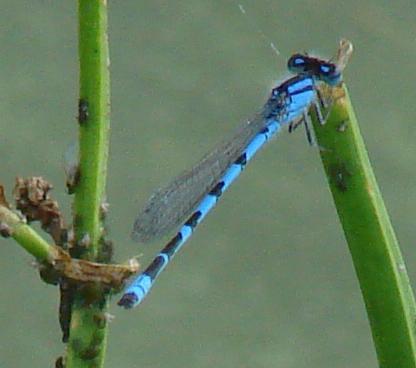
{"x": 88, "y": 330}
{"x": 371, "y": 239}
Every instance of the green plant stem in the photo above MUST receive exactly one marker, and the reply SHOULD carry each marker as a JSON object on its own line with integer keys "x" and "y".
{"x": 28, "y": 238}
{"x": 94, "y": 132}
{"x": 88, "y": 330}
{"x": 372, "y": 242}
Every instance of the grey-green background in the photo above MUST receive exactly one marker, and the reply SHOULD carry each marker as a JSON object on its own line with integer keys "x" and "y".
{"x": 267, "y": 280}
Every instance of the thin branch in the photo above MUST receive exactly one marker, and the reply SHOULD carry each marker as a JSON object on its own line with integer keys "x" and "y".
{"x": 16, "y": 227}
{"x": 109, "y": 275}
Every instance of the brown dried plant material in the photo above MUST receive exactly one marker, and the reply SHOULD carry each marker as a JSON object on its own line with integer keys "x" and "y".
{"x": 112, "y": 275}
{"x": 3, "y": 201}
{"x": 66, "y": 299}
{"x": 34, "y": 201}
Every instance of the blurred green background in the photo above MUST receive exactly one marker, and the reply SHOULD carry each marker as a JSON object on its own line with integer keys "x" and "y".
{"x": 267, "y": 280}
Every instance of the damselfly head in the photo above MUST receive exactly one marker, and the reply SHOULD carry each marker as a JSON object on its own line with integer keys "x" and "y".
{"x": 320, "y": 69}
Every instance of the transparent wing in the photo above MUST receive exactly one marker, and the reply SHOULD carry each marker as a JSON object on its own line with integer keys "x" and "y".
{"x": 169, "y": 206}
